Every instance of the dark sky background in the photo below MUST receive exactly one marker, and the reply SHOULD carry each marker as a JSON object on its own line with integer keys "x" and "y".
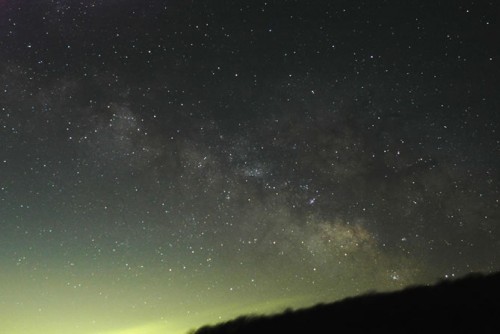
{"x": 166, "y": 164}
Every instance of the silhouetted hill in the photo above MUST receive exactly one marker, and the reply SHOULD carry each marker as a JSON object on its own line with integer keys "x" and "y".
{"x": 468, "y": 305}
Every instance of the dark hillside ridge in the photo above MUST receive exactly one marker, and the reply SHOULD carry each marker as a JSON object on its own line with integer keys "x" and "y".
{"x": 467, "y": 305}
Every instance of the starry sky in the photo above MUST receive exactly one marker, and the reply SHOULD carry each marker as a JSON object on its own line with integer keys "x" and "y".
{"x": 167, "y": 164}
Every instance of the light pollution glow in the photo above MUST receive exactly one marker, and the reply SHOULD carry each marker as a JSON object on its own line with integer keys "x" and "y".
{"x": 167, "y": 164}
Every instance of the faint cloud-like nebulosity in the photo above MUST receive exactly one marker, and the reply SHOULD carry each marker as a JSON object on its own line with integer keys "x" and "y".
{"x": 160, "y": 160}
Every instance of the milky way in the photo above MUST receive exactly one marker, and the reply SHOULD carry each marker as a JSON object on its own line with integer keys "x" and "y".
{"x": 166, "y": 164}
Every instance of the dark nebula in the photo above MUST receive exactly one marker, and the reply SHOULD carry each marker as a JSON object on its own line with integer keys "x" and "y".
{"x": 166, "y": 164}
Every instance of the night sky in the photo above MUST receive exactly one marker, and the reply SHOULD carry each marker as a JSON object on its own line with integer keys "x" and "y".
{"x": 166, "y": 164}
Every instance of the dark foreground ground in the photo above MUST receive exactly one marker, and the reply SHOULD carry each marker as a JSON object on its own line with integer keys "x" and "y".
{"x": 468, "y": 305}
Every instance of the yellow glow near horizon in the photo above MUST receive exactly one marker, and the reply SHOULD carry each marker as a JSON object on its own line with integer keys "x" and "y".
{"x": 206, "y": 318}
{"x": 152, "y": 328}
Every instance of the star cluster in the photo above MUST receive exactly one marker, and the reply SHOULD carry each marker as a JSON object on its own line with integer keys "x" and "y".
{"x": 166, "y": 164}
